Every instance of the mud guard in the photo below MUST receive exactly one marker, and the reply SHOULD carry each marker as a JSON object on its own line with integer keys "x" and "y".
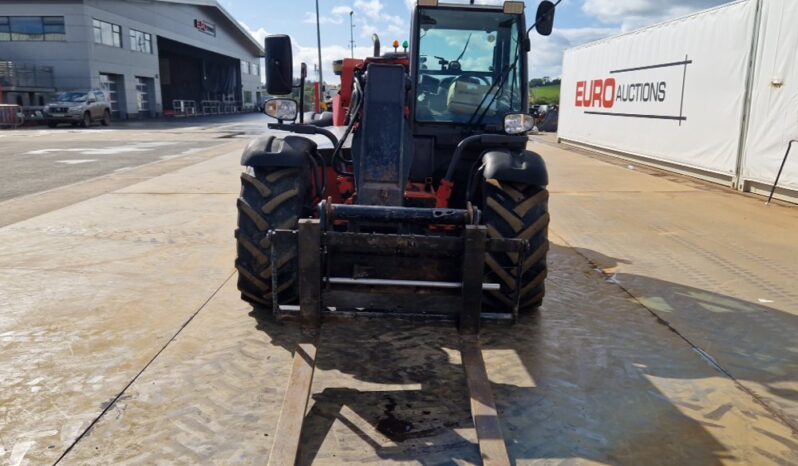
{"x": 275, "y": 151}
{"x": 525, "y": 167}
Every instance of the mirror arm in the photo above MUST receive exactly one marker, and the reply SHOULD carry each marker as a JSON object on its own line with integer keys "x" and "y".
{"x": 303, "y": 72}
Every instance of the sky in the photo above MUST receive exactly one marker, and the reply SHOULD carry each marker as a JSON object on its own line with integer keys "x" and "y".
{"x": 576, "y": 22}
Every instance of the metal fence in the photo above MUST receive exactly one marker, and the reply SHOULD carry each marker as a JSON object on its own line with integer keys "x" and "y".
{"x": 184, "y": 107}
{"x": 11, "y": 116}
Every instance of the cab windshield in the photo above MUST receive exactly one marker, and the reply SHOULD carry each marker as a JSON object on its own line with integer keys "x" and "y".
{"x": 463, "y": 57}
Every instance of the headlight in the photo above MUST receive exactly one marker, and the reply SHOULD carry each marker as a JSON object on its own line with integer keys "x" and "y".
{"x": 517, "y": 123}
{"x": 75, "y": 110}
{"x": 281, "y": 109}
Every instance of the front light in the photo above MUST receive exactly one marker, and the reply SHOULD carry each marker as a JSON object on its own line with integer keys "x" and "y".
{"x": 75, "y": 110}
{"x": 281, "y": 109}
{"x": 514, "y": 8}
{"x": 517, "y": 123}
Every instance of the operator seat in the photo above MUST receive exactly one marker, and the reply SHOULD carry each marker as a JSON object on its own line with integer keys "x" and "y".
{"x": 465, "y": 94}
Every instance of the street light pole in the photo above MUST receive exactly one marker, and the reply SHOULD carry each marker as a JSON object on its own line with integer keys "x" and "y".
{"x": 318, "y": 42}
{"x": 351, "y": 33}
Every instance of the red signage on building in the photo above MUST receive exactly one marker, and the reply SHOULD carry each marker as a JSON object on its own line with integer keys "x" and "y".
{"x": 206, "y": 27}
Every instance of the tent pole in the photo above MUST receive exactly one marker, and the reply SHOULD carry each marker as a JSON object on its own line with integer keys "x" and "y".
{"x": 738, "y": 182}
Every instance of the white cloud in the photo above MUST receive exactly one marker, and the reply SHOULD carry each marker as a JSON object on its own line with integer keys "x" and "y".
{"x": 396, "y": 33}
{"x": 259, "y": 34}
{"x": 545, "y": 58}
{"x": 341, "y": 10}
{"x": 395, "y": 20}
{"x": 370, "y": 8}
{"x": 371, "y": 20}
{"x": 633, "y": 14}
{"x": 329, "y": 53}
{"x": 366, "y": 29}
{"x": 310, "y": 18}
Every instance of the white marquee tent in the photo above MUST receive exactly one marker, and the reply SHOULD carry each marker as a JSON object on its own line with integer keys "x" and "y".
{"x": 713, "y": 94}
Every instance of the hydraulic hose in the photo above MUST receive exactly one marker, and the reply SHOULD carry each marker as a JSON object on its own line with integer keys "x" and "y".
{"x": 352, "y": 120}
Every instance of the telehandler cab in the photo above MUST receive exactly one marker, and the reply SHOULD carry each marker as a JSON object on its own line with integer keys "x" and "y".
{"x": 421, "y": 201}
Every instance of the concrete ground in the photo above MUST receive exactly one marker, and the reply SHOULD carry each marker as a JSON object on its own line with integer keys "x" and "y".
{"x": 664, "y": 337}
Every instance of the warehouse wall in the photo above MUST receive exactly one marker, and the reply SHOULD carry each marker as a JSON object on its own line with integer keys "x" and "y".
{"x": 78, "y": 61}
{"x": 70, "y": 58}
{"x": 173, "y": 21}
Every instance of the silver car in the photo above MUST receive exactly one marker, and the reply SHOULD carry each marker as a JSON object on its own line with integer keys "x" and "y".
{"x": 79, "y": 108}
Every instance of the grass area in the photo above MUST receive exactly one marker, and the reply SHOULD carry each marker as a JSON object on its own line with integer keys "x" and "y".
{"x": 545, "y": 94}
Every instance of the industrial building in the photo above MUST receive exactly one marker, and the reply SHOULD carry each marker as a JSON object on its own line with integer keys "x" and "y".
{"x": 150, "y": 56}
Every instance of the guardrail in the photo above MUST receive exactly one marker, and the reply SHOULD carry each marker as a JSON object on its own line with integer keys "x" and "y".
{"x": 211, "y": 107}
{"x": 184, "y": 108}
{"x": 190, "y": 108}
{"x": 11, "y": 116}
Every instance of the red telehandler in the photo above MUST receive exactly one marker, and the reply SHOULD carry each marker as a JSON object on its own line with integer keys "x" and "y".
{"x": 423, "y": 203}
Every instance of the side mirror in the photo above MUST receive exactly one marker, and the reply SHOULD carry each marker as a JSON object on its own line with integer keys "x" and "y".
{"x": 279, "y": 65}
{"x": 91, "y": 101}
{"x": 544, "y": 19}
{"x": 281, "y": 109}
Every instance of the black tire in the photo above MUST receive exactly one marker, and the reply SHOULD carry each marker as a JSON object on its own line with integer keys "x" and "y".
{"x": 51, "y": 124}
{"x": 106, "y": 121}
{"x": 86, "y": 121}
{"x": 270, "y": 199}
{"x": 512, "y": 210}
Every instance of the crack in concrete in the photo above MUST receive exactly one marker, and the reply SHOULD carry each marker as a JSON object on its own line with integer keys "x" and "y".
{"x": 120, "y": 395}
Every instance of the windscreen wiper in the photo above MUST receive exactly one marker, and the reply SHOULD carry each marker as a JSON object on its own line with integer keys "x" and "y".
{"x": 502, "y": 80}
{"x": 464, "y": 48}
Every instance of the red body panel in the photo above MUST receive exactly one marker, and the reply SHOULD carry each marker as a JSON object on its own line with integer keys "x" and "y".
{"x": 344, "y": 96}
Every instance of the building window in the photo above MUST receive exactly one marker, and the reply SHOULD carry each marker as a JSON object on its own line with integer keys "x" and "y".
{"x": 254, "y": 69}
{"x": 140, "y": 41}
{"x": 5, "y": 29}
{"x": 107, "y": 33}
{"x": 54, "y": 28}
{"x": 26, "y": 28}
{"x": 31, "y": 28}
{"x": 244, "y": 67}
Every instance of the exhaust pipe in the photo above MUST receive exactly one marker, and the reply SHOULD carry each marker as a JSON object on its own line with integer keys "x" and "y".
{"x": 376, "y": 39}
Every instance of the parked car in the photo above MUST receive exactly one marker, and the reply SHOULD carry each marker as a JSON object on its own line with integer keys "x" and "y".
{"x": 79, "y": 108}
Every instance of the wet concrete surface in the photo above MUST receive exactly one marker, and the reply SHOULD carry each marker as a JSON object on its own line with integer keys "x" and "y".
{"x": 718, "y": 266}
{"x": 123, "y": 341}
{"x": 90, "y": 293}
{"x": 591, "y": 378}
